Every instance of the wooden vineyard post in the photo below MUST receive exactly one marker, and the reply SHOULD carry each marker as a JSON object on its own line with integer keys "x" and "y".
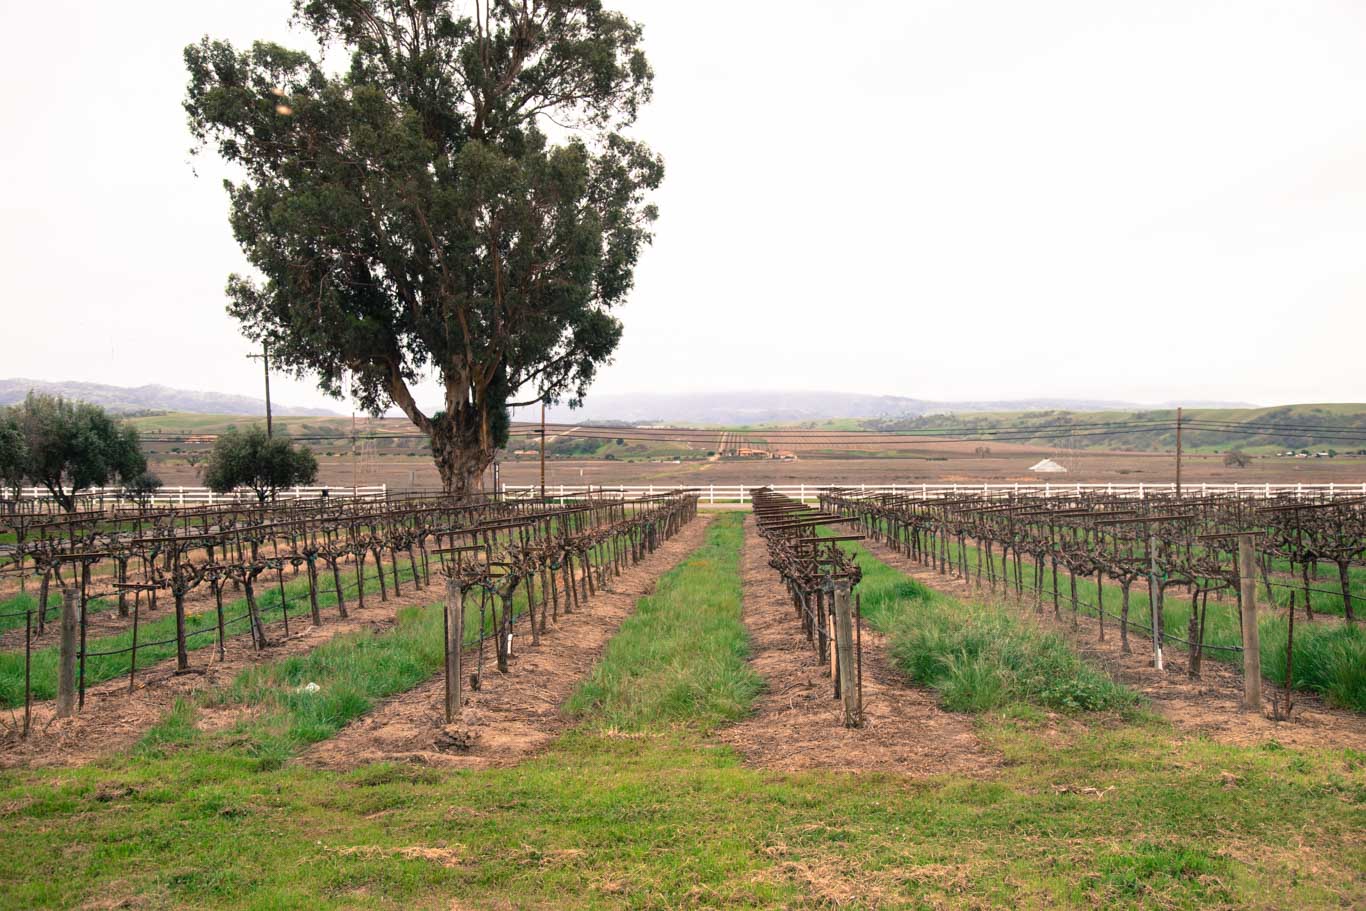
{"x": 1252, "y": 648}
{"x": 66, "y": 661}
{"x": 454, "y": 625}
{"x": 133, "y": 654}
{"x": 28, "y": 670}
{"x": 182, "y": 656}
{"x": 844, "y": 647}
{"x": 1155, "y": 598}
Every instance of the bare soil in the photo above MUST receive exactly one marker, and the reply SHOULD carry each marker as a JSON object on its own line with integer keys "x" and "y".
{"x": 1209, "y": 705}
{"x": 911, "y": 461}
{"x": 513, "y": 715}
{"x": 797, "y": 723}
{"x": 113, "y": 718}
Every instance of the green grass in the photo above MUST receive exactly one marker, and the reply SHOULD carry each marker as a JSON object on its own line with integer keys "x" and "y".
{"x": 12, "y": 608}
{"x": 1330, "y": 658}
{"x": 162, "y": 628}
{"x": 352, "y": 672}
{"x": 978, "y": 657}
{"x": 669, "y": 819}
{"x": 682, "y": 655}
{"x": 1325, "y": 596}
{"x": 1161, "y": 438}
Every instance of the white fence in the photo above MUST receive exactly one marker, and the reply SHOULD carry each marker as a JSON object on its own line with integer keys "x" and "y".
{"x": 203, "y": 496}
{"x": 740, "y": 493}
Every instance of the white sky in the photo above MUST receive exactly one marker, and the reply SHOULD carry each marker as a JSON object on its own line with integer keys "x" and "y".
{"x": 947, "y": 199}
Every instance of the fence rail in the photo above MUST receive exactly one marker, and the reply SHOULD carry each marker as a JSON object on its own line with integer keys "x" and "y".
{"x": 200, "y": 496}
{"x": 741, "y": 493}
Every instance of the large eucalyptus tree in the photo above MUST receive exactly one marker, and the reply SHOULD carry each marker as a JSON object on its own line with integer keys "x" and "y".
{"x": 460, "y": 201}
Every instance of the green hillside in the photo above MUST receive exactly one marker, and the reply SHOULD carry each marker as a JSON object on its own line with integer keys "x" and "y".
{"x": 1311, "y": 427}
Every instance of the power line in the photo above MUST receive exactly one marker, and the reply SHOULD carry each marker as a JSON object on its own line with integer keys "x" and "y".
{"x": 823, "y": 437}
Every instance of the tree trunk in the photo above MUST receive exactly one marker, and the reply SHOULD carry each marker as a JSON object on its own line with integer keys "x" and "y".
{"x": 460, "y": 455}
{"x": 44, "y": 591}
{"x": 1124, "y": 620}
{"x": 316, "y": 615}
{"x": 337, "y": 584}
{"x": 1344, "y": 577}
{"x": 258, "y": 631}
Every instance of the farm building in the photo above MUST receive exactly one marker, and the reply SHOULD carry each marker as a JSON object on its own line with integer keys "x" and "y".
{"x": 1047, "y": 465}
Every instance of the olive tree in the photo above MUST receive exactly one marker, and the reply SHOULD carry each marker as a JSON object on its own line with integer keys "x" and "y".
{"x": 251, "y": 458}
{"x": 13, "y": 453}
{"x": 142, "y": 488}
{"x": 412, "y": 217}
{"x": 72, "y": 446}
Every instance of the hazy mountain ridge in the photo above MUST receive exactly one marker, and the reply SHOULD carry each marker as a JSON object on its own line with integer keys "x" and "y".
{"x": 753, "y": 407}
{"x": 153, "y": 397}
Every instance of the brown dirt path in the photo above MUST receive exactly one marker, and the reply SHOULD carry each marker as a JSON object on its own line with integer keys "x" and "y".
{"x": 113, "y": 718}
{"x": 797, "y": 722}
{"x": 1207, "y": 706}
{"x": 515, "y": 715}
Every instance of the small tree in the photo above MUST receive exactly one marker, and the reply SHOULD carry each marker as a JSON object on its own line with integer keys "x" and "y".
{"x": 251, "y": 458}
{"x": 141, "y": 488}
{"x": 1236, "y": 458}
{"x": 194, "y": 460}
{"x": 13, "y": 453}
{"x": 72, "y": 446}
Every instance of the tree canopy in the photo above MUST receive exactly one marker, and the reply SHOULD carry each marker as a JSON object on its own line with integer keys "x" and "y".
{"x": 13, "y": 453}
{"x": 411, "y": 216}
{"x": 141, "y": 489}
{"x": 68, "y": 446}
{"x": 251, "y": 458}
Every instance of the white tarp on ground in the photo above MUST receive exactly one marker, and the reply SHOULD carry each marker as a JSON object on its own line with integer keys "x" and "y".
{"x": 1047, "y": 465}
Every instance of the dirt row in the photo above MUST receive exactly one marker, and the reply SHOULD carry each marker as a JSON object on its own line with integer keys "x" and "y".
{"x": 1208, "y": 705}
{"x": 511, "y": 715}
{"x": 797, "y": 721}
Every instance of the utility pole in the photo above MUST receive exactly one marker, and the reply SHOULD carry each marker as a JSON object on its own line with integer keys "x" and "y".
{"x": 542, "y": 449}
{"x": 265, "y": 362}
{"x": 1178, "y": 452}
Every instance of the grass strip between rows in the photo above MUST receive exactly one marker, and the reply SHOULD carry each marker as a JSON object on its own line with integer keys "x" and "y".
{"x": 683, "y": 655}
{"x": 1329, "y": 657}
{"x": 351, "y": 673}
{"x": 978, "y": 656}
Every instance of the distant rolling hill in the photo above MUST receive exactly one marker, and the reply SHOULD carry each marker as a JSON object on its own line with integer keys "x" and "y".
{"x": 125, "y": 399}
{"x": 1314, "y": 426}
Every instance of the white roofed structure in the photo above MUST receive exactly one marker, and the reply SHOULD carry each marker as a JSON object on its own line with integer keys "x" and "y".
{"x": 1047, "y": 465}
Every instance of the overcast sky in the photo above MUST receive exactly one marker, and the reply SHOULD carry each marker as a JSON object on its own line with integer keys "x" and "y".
{"x": 947, "y": 199}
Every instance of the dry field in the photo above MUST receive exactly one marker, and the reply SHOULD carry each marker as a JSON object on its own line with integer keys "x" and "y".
{"x": 400, "y": 471}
